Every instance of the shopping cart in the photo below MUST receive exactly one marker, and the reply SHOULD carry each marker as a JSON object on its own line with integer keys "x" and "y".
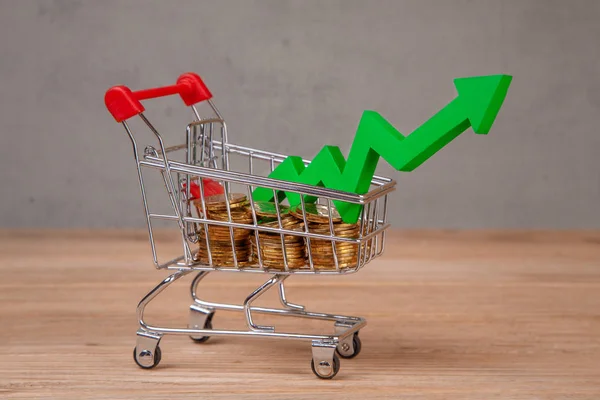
{"x": 207, "y": 155}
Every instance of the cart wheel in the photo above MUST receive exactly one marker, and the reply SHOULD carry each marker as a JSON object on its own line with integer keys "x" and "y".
{"x": 335, "y": 370}
{"x": 344, "y": 350}
{"x": 145, "y": 354}
{"x": 207, "y": 325}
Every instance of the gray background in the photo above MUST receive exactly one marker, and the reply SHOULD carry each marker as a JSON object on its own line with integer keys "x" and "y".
{"x": 291, "y": 76}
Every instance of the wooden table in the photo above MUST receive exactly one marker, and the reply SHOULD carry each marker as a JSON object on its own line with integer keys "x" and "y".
{"x": 465, "y": 315}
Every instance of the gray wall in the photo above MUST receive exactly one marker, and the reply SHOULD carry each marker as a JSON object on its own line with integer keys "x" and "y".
{"x": 291, "y": 76}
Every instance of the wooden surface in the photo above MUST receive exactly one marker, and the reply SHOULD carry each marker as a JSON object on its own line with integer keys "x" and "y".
{"x": 465, "y": 315}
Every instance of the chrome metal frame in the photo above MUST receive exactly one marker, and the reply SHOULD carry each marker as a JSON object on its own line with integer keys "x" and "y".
{"x": 208, "y": 154}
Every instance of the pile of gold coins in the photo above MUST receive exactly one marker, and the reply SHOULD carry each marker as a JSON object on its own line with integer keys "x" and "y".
{"x": 270, "y": 248}
{"x": 271, "y": 244}
{"x": 322, "y": 250}
{"x": 219, "y": 237}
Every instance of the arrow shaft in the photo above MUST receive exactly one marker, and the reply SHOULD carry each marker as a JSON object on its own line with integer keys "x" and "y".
{"x": 375, "y": 138}
{"x": 403, "y": 153}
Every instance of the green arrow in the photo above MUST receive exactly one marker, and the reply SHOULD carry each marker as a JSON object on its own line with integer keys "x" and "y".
{"x": 477, "y": 105}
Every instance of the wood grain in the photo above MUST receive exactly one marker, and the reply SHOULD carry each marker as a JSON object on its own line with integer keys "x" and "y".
{"x": 465, "y": 315}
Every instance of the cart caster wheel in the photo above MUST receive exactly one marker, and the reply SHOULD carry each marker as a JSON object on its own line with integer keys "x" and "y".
{"x": 196, "y": 325}
{"x": 349, "y": 349}
{"x": 324, "y": 370}
{"x": 146, "y": 358}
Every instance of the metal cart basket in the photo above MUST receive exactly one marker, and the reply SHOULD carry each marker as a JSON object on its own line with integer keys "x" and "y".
{"x": 206, "y": 155}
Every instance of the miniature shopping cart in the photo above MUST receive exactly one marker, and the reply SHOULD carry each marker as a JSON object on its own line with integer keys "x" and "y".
{"x": 207, "y": 155}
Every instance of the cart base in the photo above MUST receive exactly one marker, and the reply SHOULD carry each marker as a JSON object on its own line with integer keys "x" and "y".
{"x": 325, "y": 362}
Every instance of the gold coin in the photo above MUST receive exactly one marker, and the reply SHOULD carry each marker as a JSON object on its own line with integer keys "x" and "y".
{"x": 219, "y": 199}
{"x": 228, "y": 263}
{"x": 227, "y": 230}
{"x": 224, "y": 231}
{"x": 332, "y": 262}
{"x": 317, "y": 213}
{"x": 223, "y": 228}
{"x": 329, "y": 242}
{"x": 329, "y": 254}
{"x": 241, "y": 212}
{"x": 237, "y": 220}
{"x": 226, "y": 256}
{"x": 226, "y": 245}
{"x": 280, "y": 266}
{"x": 225, "y": 261}
{"x": 332, "y": 267}
{"x": 225, "y": 252}
{"x": 279, "y": 249}
{"x": 228, "y": 260}
{"x": 279, "y": 252}
{"x": 288, "y": 249}
{"x": 335, "y": 235}
{"x": 329, "y": 257}
{"x": 223, "y": 249}
{"x": 226, "y": 239}
{"x": 352, "y": 233}
{"x": 268, "y": 209}
{"x": 226, "y": 236}
{"x": 323, "y": 256}
{"x": 337, "y": 226}
{"x": 277, "y": 240}
{"x": 246, "y": 219}
{"x": 223, "y": 239}
{"x": 278, "y": 246}
{"x": 238, "y": 207}
{"x": 288, "y": 222}
{"x": 345, "y": 234}
{"x": 279, "y": 261}
{"x": 329, "y": 246}
{"x": 273, "y": 234}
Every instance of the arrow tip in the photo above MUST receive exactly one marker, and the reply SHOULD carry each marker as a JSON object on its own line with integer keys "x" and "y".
{"x": 481, "y": 98}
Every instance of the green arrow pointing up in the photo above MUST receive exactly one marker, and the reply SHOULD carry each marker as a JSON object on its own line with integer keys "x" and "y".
{"x": 477, "y": 104}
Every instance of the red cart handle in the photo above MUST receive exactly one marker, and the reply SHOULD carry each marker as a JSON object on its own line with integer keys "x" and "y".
{"x": 123, "y": 104}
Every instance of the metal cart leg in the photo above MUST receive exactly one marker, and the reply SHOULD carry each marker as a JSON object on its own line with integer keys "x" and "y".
{"x": 200, "y": 316}
{"x": 283, "y": 299}
{"x": 153, "y": 293}
{"x": 253, "y": 296}
{"x": 147, "y": 353}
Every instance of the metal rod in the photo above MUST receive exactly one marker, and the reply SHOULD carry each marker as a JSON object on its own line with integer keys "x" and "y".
{"x": 253, "y": 296}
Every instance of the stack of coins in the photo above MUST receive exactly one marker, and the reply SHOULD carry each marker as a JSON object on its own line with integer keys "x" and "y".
{"x": 219, "y": 237}
{"x": 270, "y": 246}
{"x": 318, "y": 218}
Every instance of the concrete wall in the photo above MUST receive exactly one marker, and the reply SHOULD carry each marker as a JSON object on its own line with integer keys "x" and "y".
{"x": 291, "y": 76}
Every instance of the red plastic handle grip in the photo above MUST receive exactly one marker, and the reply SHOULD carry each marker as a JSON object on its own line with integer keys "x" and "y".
{"x": 123, "y": 104}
